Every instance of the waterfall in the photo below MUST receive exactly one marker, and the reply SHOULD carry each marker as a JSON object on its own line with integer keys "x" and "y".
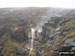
{"x": 32, "y": 37}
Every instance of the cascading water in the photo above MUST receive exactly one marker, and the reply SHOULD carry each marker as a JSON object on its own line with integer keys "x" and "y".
{"x": 33, "y": 36}
{"x": 32, "y": 41}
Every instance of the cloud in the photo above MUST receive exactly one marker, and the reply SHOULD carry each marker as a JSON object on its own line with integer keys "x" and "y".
{"x": 38, "y": 3}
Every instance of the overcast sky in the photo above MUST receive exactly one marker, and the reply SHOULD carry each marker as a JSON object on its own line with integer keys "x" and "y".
{"x": 38, "y": 3}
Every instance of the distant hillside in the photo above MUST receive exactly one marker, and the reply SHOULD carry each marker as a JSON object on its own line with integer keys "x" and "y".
{"x": 32, "y": 14}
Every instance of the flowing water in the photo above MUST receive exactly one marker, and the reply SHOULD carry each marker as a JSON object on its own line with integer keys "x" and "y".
{"x": 33, "y": 36}
{"x": 32, "y": 41}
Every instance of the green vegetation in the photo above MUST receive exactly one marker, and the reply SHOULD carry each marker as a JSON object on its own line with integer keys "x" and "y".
{"x": 10, "y": 48}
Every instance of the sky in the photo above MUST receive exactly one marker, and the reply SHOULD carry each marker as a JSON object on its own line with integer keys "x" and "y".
{"x": 38, "y": 3}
